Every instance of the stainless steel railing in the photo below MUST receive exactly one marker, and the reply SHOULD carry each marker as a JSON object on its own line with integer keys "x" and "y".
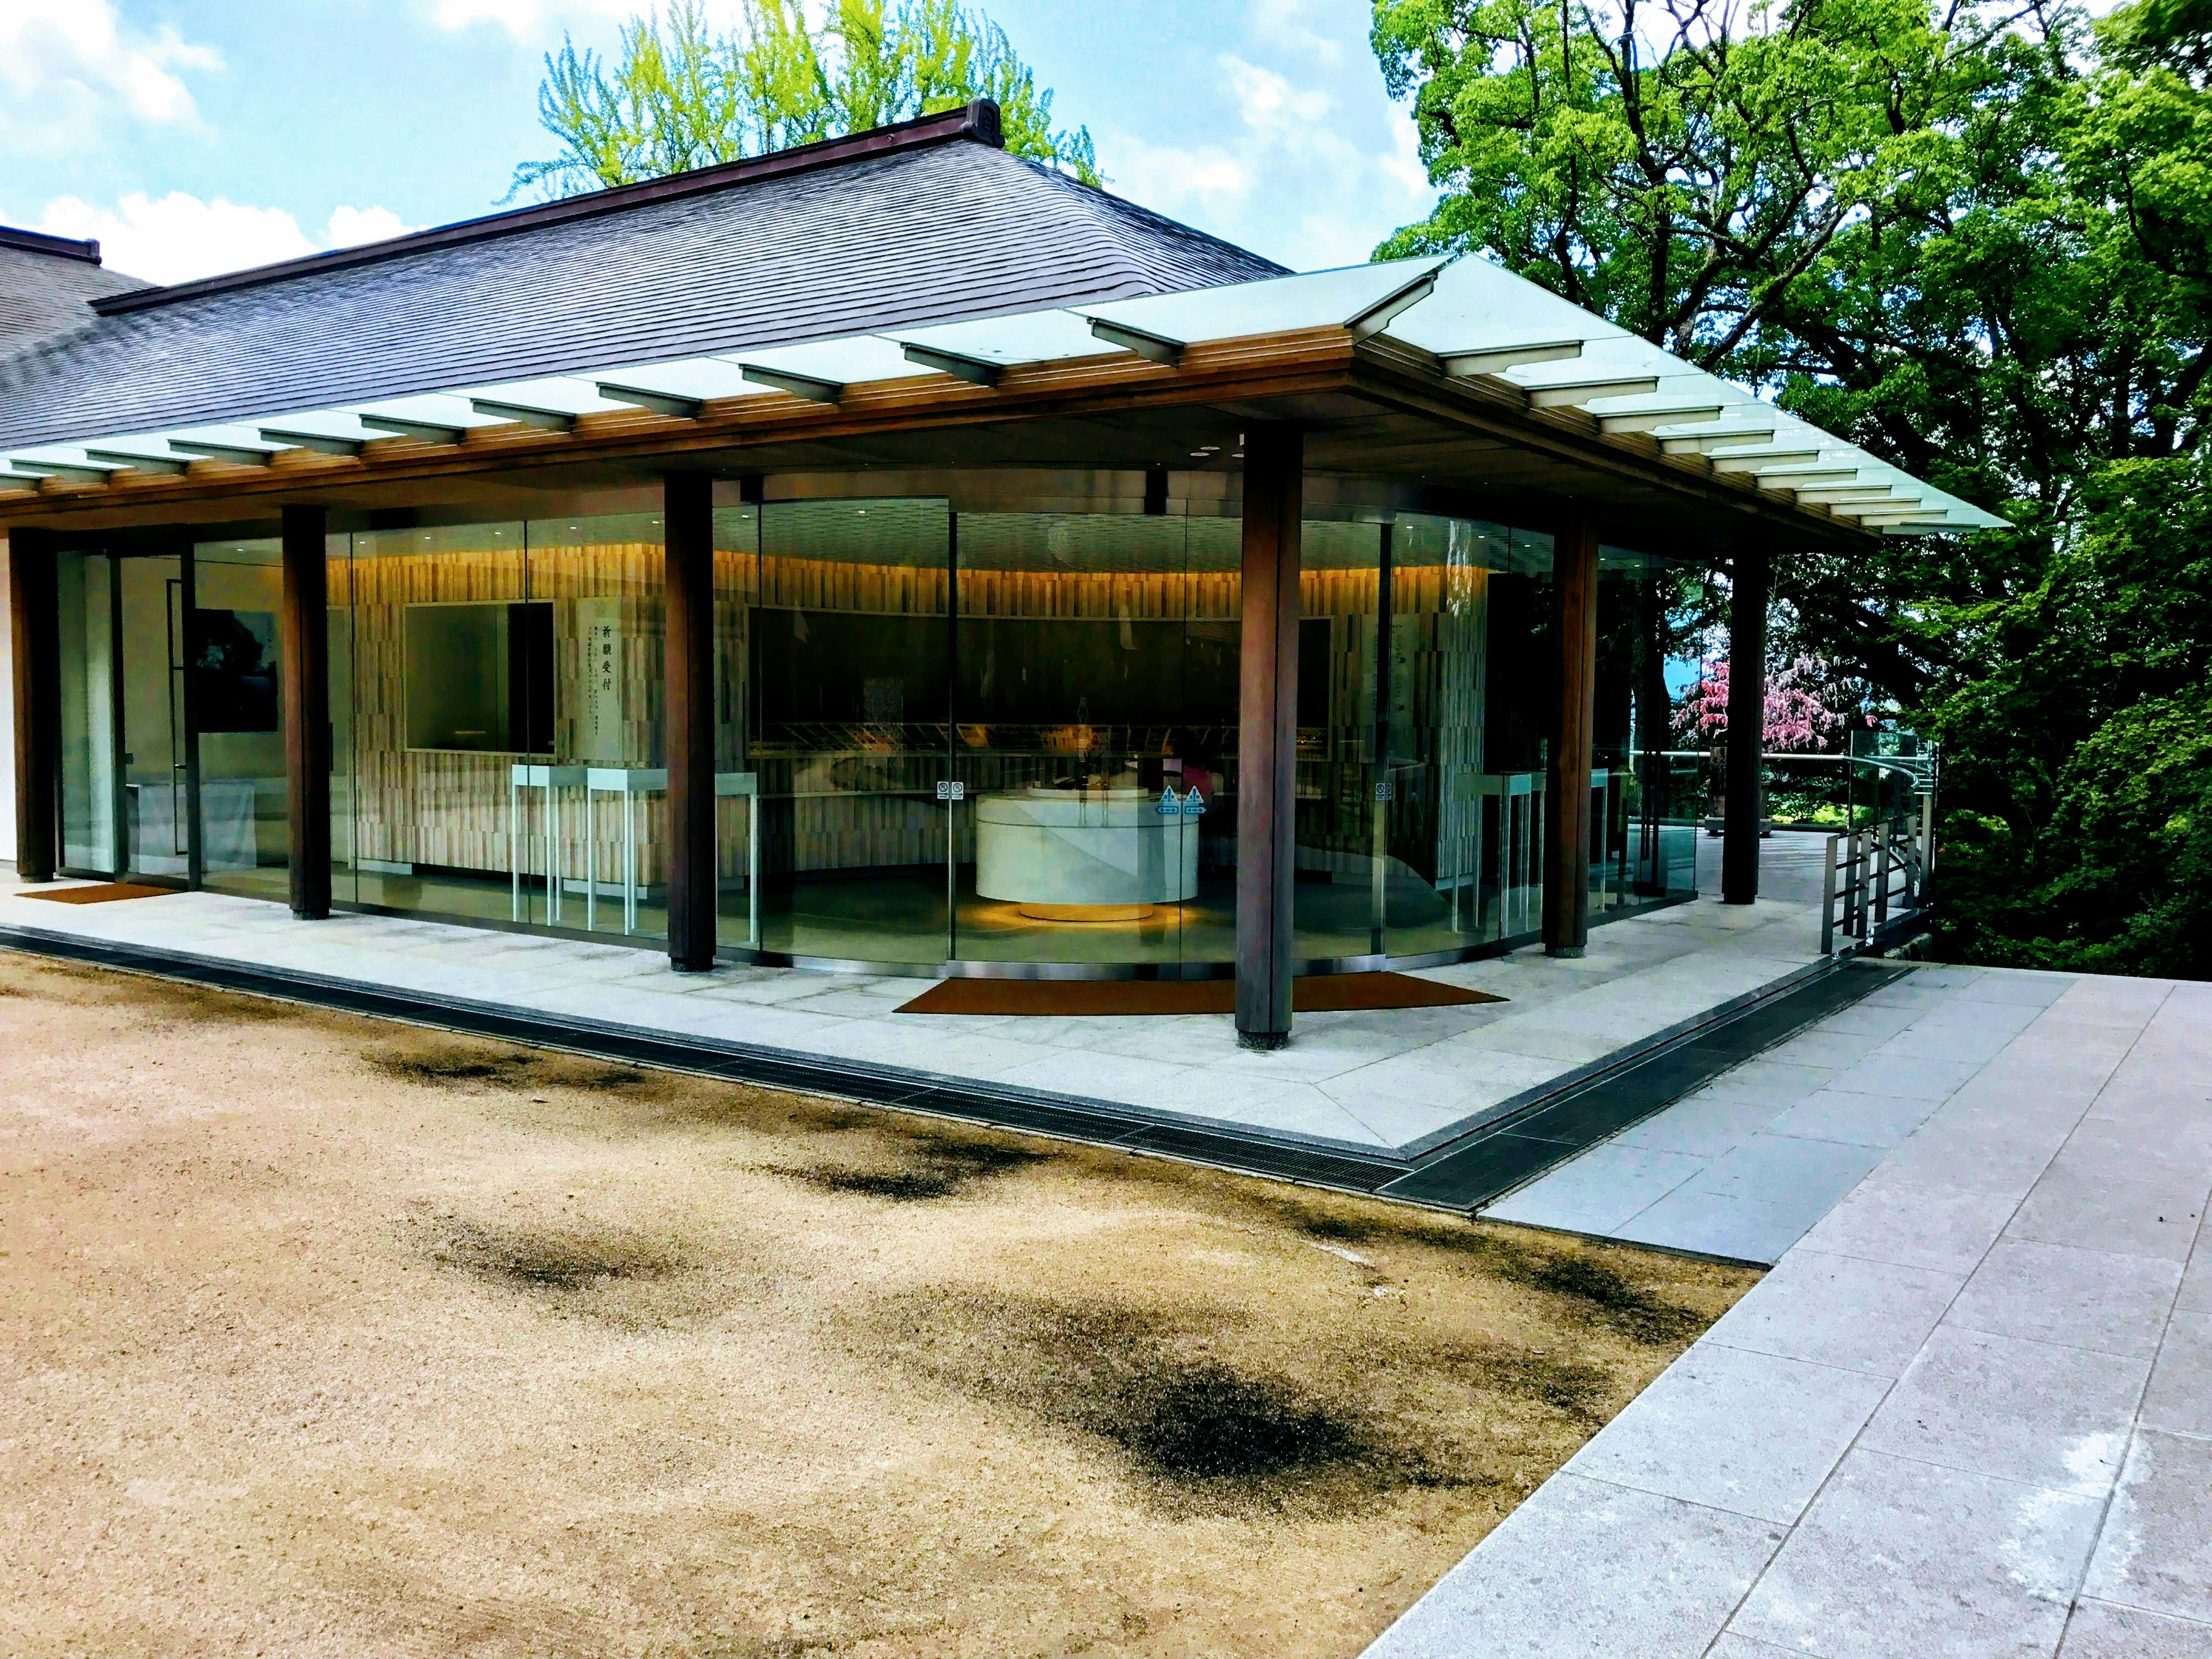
{"x": 1877, "y": 877}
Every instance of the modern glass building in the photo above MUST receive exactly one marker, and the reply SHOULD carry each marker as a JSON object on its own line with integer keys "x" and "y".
{"x": 889, "y": 553}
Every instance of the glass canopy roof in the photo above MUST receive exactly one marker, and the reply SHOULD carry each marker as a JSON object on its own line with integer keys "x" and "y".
{"x": 1470, "y": 317}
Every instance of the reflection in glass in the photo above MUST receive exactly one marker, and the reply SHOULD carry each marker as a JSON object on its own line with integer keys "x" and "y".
{"x": 157, "y": 774}
{"x": 1095, "y": 733}
{"x": 503, "y": 718}
{"x": 990, "y": 737}
{"x": 234, "y": 670}
{"x": 91, "y": 822}
{"x": 845, "y": 706}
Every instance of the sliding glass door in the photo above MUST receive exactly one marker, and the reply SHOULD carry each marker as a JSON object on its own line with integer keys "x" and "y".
{"x": 126, "y": 783}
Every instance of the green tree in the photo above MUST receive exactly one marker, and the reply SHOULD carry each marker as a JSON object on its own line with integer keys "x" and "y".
{"x": 1974, "y": 243}
{"x": 680, "y": 96}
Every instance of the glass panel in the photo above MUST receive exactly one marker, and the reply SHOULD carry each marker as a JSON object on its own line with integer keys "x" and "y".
{"x": 848, "y": 637}
{"x": 156, "y": 777}
{"x": 1095, "y": 710}
{"x": 338, "y": 578}
{"x": 581, "y": 686}
{"x": 237, "y": 702}
{"x": 1345, "y": 870}
{"x": 737, "y": 791}
{"x": 90, "y": 788}
{"x": 1645, "y": 805}
{"x": 432, "y": 830}
{"x": 1470, "y": 706}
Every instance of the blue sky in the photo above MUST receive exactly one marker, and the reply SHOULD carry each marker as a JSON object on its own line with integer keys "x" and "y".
{"x": 196, "y": 136}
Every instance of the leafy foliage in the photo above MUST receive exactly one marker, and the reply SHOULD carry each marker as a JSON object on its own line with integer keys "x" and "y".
{"x": 683, "y": 97}
{"x": 1980, "y": 243}
{"x": 1795, "y": 717}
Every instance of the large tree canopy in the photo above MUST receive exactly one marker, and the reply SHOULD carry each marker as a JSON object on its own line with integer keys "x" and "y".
{"x": 1979, "y": 243}
{"x": 681, "y": 96}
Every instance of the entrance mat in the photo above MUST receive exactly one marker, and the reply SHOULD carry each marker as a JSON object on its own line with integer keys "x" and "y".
{"x": 1310, "y": 993}
{"x": 103, "y": 892}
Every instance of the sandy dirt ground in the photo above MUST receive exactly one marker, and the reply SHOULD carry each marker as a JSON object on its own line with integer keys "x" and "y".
{"x": 326, "y": 1336}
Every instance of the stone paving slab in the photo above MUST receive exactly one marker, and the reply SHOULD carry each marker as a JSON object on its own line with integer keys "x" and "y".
{"x": 1385, "y": 1081}
{"x": 1968, "y": 1412}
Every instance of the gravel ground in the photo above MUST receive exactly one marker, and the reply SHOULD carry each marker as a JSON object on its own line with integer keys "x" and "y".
{"x": 322, "y": 1335}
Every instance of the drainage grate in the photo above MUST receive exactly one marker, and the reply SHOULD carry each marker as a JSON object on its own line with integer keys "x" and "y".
{"x": 1470, "y": 1173}
{"x": 1066, "y": 1117}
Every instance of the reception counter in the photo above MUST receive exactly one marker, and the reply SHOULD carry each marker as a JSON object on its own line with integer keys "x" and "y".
{"x": 1085, "y": 855}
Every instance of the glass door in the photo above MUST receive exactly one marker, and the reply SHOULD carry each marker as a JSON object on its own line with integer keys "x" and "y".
{"x": 235, "y": 696}
{"x": 151, "y": 610}
{"x": 91, "y": 796}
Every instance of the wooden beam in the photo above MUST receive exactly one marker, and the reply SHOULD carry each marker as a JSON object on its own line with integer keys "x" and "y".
{"x": 1263, "y": 371}
{"x": 35, "y": 629}
{"x": 1567, "y": 791}
{"x": 1745, "y": 801}
{"x": 303, "y": 649}
{"x": 1267, "y": 734}
{"x": 688, "y": 518}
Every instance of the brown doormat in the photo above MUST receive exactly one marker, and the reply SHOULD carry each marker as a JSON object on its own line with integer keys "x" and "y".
{"x": 1312, "y": 993}
{"x": 102, "y": 892}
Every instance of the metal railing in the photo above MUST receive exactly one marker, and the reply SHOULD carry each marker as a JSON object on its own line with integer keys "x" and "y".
{"x": 1877, "y": 877}
{"x": 1801, "y": 789}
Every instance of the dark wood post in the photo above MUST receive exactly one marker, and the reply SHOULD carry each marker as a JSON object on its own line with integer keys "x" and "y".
{"x": 304, "y": 644}
{"x": 1746, "y": 726}
{"x": 1267, "y": 734}
{"x": 688, "y": 517}
{"x": 1567, "y": 789}
{"x": 34, "y": 627}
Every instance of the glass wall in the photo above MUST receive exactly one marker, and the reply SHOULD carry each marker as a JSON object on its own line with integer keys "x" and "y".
{"x": 126, "y": 782}
{"x": 91, "y": 795}
{"x": 503, "y": 723}
{"x": 234, "y": 667}
{"x": 1644, "y": 808}
{"x": 843, "y": 614}
{"x": 1094, "y": 739}
{"x": 1472, "y": 688}
{"x": 986, "y": 737}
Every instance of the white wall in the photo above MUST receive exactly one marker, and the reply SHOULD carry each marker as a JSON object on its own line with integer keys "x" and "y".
{"x": 7, "y": 717}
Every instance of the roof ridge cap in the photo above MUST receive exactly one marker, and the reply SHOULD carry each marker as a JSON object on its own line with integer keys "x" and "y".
{"x": 977, "y": 122}
{"x": 40, "y": 242}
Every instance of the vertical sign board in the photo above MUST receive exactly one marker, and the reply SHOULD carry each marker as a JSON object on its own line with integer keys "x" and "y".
{"x": 599, "y": 730}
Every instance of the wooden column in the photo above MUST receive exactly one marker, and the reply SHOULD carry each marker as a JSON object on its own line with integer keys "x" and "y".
{"x": 1567, "y": 788}
{"x": 688, "y": 517}
{"x": 1746, "y": 726}
{"x": 1267, "y": 734}
{"x": 304, "y": 646}
{"x": 34, "y": 626}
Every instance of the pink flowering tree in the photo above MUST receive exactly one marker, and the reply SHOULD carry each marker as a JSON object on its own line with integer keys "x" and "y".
{"x": 1797, "y": 720}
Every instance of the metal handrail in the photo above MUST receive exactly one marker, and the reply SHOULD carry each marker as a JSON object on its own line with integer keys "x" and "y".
{"x": 1877, "y": 875}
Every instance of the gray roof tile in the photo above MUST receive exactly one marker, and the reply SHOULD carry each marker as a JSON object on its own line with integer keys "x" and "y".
{"x": 893, "y": 239}
{"x": 47, "y": 287}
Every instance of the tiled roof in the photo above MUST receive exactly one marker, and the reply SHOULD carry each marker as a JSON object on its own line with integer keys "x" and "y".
{"x": 47, "y": 284}
{"x": 935, "y": 224}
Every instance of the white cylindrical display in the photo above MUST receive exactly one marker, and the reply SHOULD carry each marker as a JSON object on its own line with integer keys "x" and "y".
{"x": 1068, "y": 854}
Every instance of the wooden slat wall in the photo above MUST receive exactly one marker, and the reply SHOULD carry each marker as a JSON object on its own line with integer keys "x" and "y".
{"x": 850, "y": 811}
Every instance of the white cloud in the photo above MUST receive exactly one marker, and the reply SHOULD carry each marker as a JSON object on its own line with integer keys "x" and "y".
{"x": 351, "y": 227}
{"x": 69, "y": 68}
{"x": 1288, "y": 25}
{"x": 526, "y": 19}
{"x": 1315, "y": 168}
{"x": 180, "y": 237}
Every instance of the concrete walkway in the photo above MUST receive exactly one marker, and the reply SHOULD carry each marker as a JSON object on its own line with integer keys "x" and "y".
{"x": 1744, "y": 1167}
{"x": 1968, "y": 1414}
{"x": 1399, "y": 1081}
